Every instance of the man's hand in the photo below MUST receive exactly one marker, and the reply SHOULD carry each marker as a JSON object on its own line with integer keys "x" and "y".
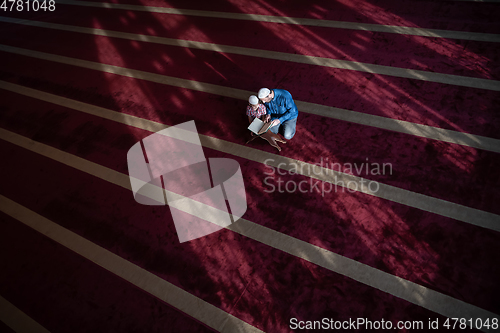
{"x": 275, "y": 122}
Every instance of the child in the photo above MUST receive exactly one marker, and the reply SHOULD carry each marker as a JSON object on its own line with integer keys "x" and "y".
{"x": 255, "y": 109}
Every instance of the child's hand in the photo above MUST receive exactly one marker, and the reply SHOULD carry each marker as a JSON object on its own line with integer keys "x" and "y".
{"x": 267, "y": 117}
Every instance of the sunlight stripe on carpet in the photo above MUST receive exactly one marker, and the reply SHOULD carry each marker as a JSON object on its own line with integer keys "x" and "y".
{"x": 470, "y": 82}
{"x": 412, "y": 199}
{"x": 401, "y": 30}
{"x": 14, "y": 318}
{"x": 406, "y": 127}
{"x": 391, "y": 284}
{"x": 193, "y": 306}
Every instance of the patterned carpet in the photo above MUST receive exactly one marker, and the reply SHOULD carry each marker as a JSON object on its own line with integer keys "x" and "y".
{"x": 402, "y": 95}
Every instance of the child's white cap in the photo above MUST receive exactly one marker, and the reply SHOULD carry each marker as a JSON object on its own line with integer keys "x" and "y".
{"x": 253, "y": 100}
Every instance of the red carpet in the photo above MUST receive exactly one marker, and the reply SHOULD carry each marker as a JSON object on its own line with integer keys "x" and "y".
{"x": 258, "y": 284}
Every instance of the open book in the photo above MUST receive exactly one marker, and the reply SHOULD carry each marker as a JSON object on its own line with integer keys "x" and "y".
{"x": 259, "y": 127}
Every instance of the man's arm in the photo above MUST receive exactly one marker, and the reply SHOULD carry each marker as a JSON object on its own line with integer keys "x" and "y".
{"x": 291, "y": 109}
{"x": 267, "y": 116}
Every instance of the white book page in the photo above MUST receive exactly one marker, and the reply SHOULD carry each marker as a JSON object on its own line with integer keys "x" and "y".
{"x": 256, "y": 125}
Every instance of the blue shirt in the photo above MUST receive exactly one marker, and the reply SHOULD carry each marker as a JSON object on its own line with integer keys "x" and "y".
{"x": 282, "y": 106}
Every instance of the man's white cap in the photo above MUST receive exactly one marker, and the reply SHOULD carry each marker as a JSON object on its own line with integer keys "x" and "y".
{"x": 253, "y": 100}
{"x": 263, "y": 92}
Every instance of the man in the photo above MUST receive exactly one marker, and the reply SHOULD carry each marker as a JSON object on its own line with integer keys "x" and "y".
{"x": 281, "y": 109}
